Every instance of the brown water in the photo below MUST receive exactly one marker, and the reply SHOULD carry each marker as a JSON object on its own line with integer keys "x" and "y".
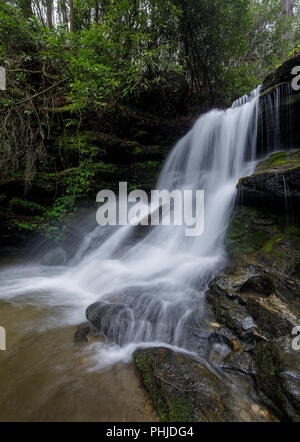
{"x": 45, "y": 376}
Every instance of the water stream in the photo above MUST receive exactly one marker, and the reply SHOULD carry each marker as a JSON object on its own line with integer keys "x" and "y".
{"x": 158, "y": 277}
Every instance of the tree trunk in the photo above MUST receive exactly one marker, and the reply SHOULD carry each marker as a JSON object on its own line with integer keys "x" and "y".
{"x": 288, "y": 8}
{"x": 72, "y": 16}
{"x": 50, "y": 13}
{"x": 287, "y": 14}
{"x": 63, "y": 11}
{"x": 96, "y": 12}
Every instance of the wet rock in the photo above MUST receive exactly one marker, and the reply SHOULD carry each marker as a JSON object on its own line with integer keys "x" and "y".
{"x": 231, "y": 313}
{"x": 278, "y": 375}
{"x": 113, "y": 321}
{"x": 239, "y": 361}
{"x": 132, "y": 314}
{"x": 273, "y": 316}
{"x": 289, "y": 106}
{"x": 242, "y": 308}
{"x": 184, "y": 389}
{"x": 283, "y": 74}
{"x": 276, "y": 181}
{"x": 85, "y": 333}
{"x": 181, "y": 388}
{"x": 248, "y": 231}
{"x": 262, "y": 280}
{"x": 262, "y": 284}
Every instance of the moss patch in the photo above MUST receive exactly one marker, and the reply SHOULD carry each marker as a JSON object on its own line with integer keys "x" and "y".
{"x": 285, "y": 160}
{"x": 170, "y": 407}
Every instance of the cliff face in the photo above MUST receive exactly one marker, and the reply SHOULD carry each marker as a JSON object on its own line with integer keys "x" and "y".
{"x": 278, "y": 95}
{"x": 282, "y": 75}
{"x": 275, "y": 183}
{"x": 253, "y": 307}
{"x": 262, "y": 280}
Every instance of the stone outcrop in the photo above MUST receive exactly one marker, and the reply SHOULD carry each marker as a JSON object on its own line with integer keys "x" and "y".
{"x": 277, "y": 89}
{"x": 252, "y": 308}
{"x": 257, "y": 298}
{"x": 185, "y": 389}
{"x": 275, "y": 182}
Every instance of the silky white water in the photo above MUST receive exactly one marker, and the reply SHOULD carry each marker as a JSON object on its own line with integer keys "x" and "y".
{"x": 151, "y": 287}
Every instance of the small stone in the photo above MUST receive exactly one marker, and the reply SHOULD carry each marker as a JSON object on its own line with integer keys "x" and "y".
{"x": 265, "y": 413}
{"x": 255, "y": 408}
{"x": 236, "y": 345}
{"x": 245, "y": 416}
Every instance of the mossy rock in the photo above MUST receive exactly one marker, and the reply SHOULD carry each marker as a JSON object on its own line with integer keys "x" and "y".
{"x": 285, "y": 160}
{"x": 278, "y": 376}
{"x": 183, "y": 389}
{"x": 248, "y": 231}
{"x": 275, "y": 183}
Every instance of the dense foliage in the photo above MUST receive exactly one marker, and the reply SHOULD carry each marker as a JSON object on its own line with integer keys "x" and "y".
{"x": 82, "y": 56}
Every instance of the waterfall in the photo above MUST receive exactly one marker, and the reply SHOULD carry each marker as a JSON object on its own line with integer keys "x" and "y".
{"x": 275, "y": 119}
{"x": 148, "y": 284}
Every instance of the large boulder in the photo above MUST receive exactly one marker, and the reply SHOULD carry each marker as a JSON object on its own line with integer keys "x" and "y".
{"x": 278, "y": 375}
{"x": 184, "y": 389}
{"x": 132, "y": 314}
{"x": 282, "y": 104}
{"x": 261, "y": 283}
{"x": 283, "y": 74}
{"x": 276, "y": 182}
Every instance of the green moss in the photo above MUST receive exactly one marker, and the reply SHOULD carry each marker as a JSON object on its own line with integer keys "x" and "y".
{"x": 245, "y": 233}
{"x": 267, "y": 374}
{"x": 170, "y": 405}
{"x": 148, "y": 164}
{"x": 285, "y": 159}
{"x": 268, "y": 247}
{"x": 23, "y": 225}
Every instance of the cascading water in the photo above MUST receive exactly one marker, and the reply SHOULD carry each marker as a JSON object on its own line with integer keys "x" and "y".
{"x": 151, "y": 289}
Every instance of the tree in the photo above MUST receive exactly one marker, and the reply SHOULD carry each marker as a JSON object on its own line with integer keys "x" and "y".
{"x": 49, "y": 11}
{"x": 288, "y": 8}
{"x": 72, "y": 16}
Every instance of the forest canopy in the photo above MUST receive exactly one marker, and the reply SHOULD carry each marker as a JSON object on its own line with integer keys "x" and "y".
{"x": 82, "y": 56}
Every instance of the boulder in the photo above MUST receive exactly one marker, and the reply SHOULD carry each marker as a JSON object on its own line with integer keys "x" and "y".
{"x": 276, "y": 182}
{"x": 278, "y": 375}
{"x": 113, "y": 321}
{"x": 185, "y": 389}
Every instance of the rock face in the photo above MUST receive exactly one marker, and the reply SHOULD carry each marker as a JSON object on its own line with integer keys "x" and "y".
{"x": 184, "y": 389}
{"x": 257, "y": 298}
{"x": 278, "y": 375}
{"x": 245, "y": 364}
{"x": 255, "y": 306}
{"x": 282, "y": 75}
{"x": 275, "y": 182}
{"x": 251, "y": 308}
{"x": 279, "y": 84}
